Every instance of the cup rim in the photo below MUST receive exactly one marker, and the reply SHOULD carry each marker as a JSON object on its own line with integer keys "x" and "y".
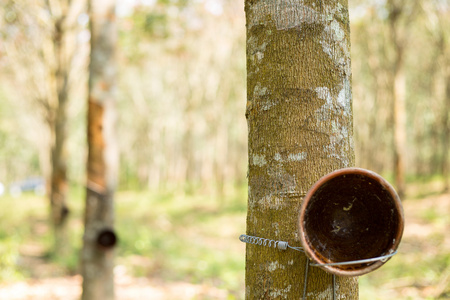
{"x": 303, "y": 235}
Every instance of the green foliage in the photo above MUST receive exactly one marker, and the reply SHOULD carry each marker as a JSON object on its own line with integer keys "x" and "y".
{"x": 153, "y": 25}
{"x": 8, "y": 259}
{"x": 169, "y": 236}
{"x": 26, "y": 237}
{"x": 182, "y": 237}
{"x": 13, "y": 232}
{"x": 175, "y": 237}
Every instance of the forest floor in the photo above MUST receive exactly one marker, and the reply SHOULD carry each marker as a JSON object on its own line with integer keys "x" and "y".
{"x": 186, "y": 247}
{"x": 127, "y": 288}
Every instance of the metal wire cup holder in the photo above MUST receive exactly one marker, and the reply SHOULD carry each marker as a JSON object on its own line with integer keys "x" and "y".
{"x": 282, "y": 245}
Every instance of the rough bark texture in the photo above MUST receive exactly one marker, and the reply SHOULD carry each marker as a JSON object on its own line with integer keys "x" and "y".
{"x": 99, "y": 238}
{"x": 299, "y": 115}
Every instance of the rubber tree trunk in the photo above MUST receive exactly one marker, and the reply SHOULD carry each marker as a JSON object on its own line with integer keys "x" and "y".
{"x": 58, "y": 183}
{"x": 446, "y": 133}
{"x": 58, "y": 129}
{"x": 398, "y": 95}
{"x": 99, "y": 237}
{"x": 399, "y": 124}
{"x": 299, "y": 114}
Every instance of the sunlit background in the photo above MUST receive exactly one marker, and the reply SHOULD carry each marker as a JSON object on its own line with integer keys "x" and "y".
{"x": 181, "y": 201}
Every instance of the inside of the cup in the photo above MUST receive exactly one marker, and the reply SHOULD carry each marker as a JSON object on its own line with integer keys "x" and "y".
{"x": 351, "y": 217}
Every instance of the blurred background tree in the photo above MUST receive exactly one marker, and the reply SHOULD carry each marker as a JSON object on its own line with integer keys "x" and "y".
{"x": 375, "y": 59}
{"x": 99, "y": 239}
{"x": 39, "y": 41}
{"x": 183, "y": 71}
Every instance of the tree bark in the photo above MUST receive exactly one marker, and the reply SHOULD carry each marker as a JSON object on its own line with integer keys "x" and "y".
{"x": 399, "y": 113}
{"x": 398, "y": 38}
{"x": 58, "y": 128}
{"x": 299, "y": 114}
{"x": 59, "y": 186}
{"x": 102, "y": 165}
{"x": 446, "y": 133}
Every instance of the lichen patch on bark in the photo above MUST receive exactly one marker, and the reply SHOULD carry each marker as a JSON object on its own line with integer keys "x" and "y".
{"x": 258, "y": 160}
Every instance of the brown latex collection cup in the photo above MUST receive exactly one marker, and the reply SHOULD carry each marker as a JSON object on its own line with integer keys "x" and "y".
{"x": 347, "y": 215}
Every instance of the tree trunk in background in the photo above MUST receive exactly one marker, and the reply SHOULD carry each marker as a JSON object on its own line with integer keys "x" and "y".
{"x": 438, "y": 19}
{"x": 59, "y": 185}
{"x": 443, "y": 46}
{"x": 379, "y": 112}
{"x": 102, "y": 166}
{"x": 446, "y": 133}
{"x": 58, "y": 128}
{"x": 398, "y": 95}
{"x": 399, "y": 123}
{"x": 299, "y": 115}
{"x": 40, "y": 59}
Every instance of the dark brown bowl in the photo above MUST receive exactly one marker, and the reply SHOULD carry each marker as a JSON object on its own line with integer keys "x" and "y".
{"x": 350, "y": 214}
